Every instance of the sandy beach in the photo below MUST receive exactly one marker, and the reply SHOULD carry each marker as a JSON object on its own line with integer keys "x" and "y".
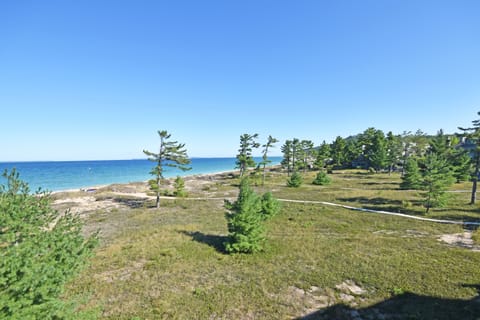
{"x": 135, "y": 194}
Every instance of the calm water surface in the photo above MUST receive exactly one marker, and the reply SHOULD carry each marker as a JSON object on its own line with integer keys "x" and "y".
{"x": 63, "y": 175}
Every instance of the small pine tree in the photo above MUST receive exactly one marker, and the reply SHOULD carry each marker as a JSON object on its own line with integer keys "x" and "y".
{"x": 245, "y": 222}
{"x": 322, "y": 179}
{"x": 412, "y": 179}
{"x": 462, "y": 166}
{"x": 295, "y": 180}
{"x": 270, "y": 205}
{"x": 40, "y": 251}
{"x": 179, "y": 186}
{"x": 437, "y": 177}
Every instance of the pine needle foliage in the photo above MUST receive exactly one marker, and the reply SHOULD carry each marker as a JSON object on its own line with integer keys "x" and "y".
{"x": 40, "y": 250}
{"x": 246, "y": 230}
{"x": 270, "y": 206}
{"x": 179, "y": 186}
{"x": 322, "y": 179}
{"x": 412, "y": 179}
{"x": 437, "y": 177}
{"x": 245, "y": 158}
{"x": 295, "y": 180}
{"x": 170, "y": 154}
{"x": 265, "y": 161}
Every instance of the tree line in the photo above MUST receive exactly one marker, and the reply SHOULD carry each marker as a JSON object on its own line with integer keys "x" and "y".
{"x": 427, "y": 163}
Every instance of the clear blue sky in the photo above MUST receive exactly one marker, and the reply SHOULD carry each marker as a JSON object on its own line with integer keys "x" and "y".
{"x": 96, "y": 79}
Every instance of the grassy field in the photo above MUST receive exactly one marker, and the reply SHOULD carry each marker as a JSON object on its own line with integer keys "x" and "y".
{"x": 319, "y": 261}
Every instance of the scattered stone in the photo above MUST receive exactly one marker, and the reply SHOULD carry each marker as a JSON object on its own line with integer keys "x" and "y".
{"x": 347, "y": 298}
{"x": 349, "y": 286}
{"x": 314, "y": 289}
{"x": 309, "y": 301}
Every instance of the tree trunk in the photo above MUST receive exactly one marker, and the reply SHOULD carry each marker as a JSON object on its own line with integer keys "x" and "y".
{"x": 405, "y": 157}
{"x": 263, "y": 179}
{"x": 475, "y": 179}
{"x": 474, "y": 191}
{"x": 158, "y": 193}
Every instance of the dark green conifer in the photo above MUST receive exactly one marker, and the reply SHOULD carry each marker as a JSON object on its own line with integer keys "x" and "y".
{"x": 246, "y": 231}
{"x": 412, "y": 178}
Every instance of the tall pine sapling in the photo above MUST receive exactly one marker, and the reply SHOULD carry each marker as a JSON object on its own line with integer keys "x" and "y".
{"x": 170, "y": 154}
{"x": 337, "y": 152}
{"x": 323, "y": 154}
{"x": 305, "y": 153}
{"x": 462, "y": 165}
{"x": 265, "y": 161}
{"x": 394, "y": 151}
{"x": 437, "y": 177}
{"x": 287, "y": 156}
{"x": 244, "y": 156}
{"x": 473, "y": 134}
{"x": 412, "y": 178}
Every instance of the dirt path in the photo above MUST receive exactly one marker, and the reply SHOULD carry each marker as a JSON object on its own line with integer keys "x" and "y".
{"x": 383, "y": 212}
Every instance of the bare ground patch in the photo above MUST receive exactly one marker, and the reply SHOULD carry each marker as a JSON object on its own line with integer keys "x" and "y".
{"x": 462, "y": 240}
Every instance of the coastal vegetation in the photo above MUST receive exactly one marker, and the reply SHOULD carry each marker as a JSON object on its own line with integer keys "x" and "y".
{"x": 322, "y": 179}
{"x": 245, "y": 219}
{"x": 245, "y": 152}
{"x": 171, "y": 154}
{"x": 175, "y": 265}
{"x": 265, "y": 161}
{"x": 361, "y": 242}
{"x": 40, "y": 250}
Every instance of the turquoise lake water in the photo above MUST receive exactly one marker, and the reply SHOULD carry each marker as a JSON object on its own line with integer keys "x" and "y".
{"x": 64, "y": 175}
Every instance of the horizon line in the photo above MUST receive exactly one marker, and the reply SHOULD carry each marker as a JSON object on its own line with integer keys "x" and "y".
{"x": 131, "y": 159}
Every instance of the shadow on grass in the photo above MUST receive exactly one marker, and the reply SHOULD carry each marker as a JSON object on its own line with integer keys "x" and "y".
{"x": 406, "y": 306}
{"x": 384, "y": 204}
{"x": 214, "y": 241}
{"x": 456, "y": 214}
{"x": 135, "y": 203}
{"x": 382, "y": 185}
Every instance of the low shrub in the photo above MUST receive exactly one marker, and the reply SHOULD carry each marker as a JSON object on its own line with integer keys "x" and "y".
{"x": 322, "y": 179}
{"x": 295, "y": 180}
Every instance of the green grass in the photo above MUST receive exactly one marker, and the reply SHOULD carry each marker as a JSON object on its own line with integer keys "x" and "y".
{"x": 170, "y": 263}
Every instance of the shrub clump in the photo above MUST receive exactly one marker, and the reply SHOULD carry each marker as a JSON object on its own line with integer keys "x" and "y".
{"x": 295, "y": 180}
{"x": 322, "y": 179}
